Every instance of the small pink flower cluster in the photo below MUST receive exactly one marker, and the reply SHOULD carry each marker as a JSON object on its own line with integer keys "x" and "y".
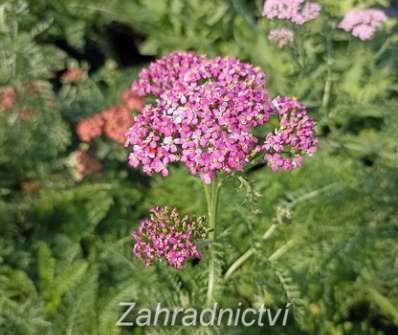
{"x": 167, "y": 236}
{"x": 117, "y": 120}
{"x": 74, "y": 75}
{"x": 90, "y": 128}
{"x": 363, "y": 23}
{"x": 30, "y": 187}
{"x": 8, "y": 98}
{"x": 203, "y": 116}
{"x": 112, "y": 122}
{"x": 282, "y": 37}
{"x": 84, "y": 165}
{"x": 286, "y": 147}
{"x": 296, "y": 11}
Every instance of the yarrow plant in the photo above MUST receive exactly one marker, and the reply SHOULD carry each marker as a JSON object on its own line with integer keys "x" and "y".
{"x": 281, "y": 37}
{"x": 363, "y": 23}
{"x": 210, "y": 115}
{"x": 296, "y": 11}
{"x": 169, "y": 237}
{"x": 204, "y": 115}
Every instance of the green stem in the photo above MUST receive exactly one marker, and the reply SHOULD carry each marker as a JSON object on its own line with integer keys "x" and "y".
{"x": 249, "y": 252}
{"x": 212, "y": 196}
{"x": 275, "y": 256}
{"x": 386, "y": 307}
{"x": 282, "y": 250}
{"x": 383, "y": 48}
{"x": 328, "y": 83}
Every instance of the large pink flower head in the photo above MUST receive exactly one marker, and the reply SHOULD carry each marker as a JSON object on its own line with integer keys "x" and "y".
{"x": 296, "y": 11}
{"x": 167, "y": 236}
{"x": 203, "y": 116}
{"x": 363, "y": 23}
{"x": 286, "y": 147}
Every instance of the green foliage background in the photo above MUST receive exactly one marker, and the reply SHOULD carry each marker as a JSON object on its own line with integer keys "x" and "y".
{"x": 65, "y": 248}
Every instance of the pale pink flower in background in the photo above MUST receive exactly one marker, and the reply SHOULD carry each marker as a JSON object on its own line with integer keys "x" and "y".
{"x": 363, "y": 23}
{"x": 84, "y": 165}
{"x": 296, "y": 11}
{"x": 281, "y": 37}
{"x": 8, "y": 97}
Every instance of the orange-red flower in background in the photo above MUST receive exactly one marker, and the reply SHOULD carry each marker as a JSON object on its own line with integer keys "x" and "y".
{"x": 113, "y": 122}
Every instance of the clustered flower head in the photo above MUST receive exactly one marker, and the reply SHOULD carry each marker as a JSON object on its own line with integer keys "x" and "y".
{"x": 296, "y": 11}
{"x": 26, "y": 114}
{"x": 8, "y": 97}
{"x": 282, "y": 37}
{"x": 203, "y": 116}
{"x": 112, "y": 122}
{"x": 363, "y": 23}
{"x": 84, "y": 165}
{"x": 10, "y": 100}
{"x": 167, "y": 236}
{"x": 30, "y": 186}
{"x": 117, "y": 120}
{"x": 74, "y": 75}
{"x": 286, "y": 147}
{"x": 90, "y": 128}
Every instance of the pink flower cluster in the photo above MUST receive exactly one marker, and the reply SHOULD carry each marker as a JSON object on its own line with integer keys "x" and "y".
{"x": 74, "y": 75}
{"x": 84, "y": 165}
{"x": 282, "y": 37}
{"x": 167, "y": 236}
{"x": 90, "y": 128}
{"x": 203, "y": 116}
{"x": 296, "y": 11}
{"x": 112, "y": 122}
{"x": 286, "y": 147}
{"x": 8, "y": 97}
{"x": 117, "y": 120}
{"x": 363, "y": 23}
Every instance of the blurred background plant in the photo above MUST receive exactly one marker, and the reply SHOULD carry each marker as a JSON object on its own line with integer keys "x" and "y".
{"x": 68, "y": 200}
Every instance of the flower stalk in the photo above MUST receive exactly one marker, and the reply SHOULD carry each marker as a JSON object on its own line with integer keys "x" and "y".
{"x": 249, "y": 252}
{"x": 212, "y": 193}
{"x": 329, "y": 63}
